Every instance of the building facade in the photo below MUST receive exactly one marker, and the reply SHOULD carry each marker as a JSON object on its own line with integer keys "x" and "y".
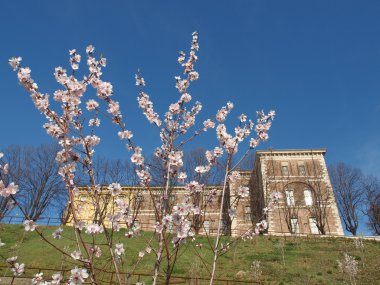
{"x": 307, "y": 205}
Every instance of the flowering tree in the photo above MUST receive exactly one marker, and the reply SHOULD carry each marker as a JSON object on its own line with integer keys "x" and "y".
{"x": 77, "y": 138}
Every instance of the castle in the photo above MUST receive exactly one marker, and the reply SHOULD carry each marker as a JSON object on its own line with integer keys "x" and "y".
{"x": 307, "y": 205}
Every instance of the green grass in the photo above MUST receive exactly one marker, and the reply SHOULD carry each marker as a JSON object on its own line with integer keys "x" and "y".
{"x": 307, "y": 261}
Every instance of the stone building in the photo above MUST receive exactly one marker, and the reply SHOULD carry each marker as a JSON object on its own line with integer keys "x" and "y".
{"x": 307, "y": 207}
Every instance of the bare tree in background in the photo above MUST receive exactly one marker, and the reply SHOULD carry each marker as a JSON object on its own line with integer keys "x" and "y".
{"x": 371, "y": 187}
{"x": 114, "y": 170}
{"x": 6, "y": 204}
{"x": 347, "y": 185}
{"x": 35, "y": 170}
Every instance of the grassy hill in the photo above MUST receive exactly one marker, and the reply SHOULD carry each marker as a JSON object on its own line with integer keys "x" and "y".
{"x": 290, "y": 260}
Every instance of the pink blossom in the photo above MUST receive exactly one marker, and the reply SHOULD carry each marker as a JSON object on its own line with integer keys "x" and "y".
{"x": 193, "y": 75}
{"x": 90, "y": 49}
{"x": 253, "y": 143}
{"x": 57, "y": 278}
{"x": 243, "y": 191}
{"x": 242, "y": 118}
{"x": 182, "y": 177}
{"x": 29, "y": 225}
{"x": 38, "y": 279}
{"x": 94, "y": 229}
{"x": 202, "y": 169}
{"x": 94, "y": 122}
{"x": 139, "y": 80}
{"x": 24, "y": 74}
{"x": 92, "y": 105}
{"x": 114, "y": 188}
{"x": 194, "y": 187}
{"x": 57, "y": 234}
{"x": 96, "y": 251}
{"x": 175, "y": 158}
{"x": 119, "y": 249}
{"x": 181, "y": 57}
{"x": 137, "y": 157}
{"x": 78, "y": 276}
{"x": 208, "y": 124}
{"x": 233, "y": 177}
{"x": 125, "y": 134}
{"x": 104, "y": 89}
{"x": 114, "y": 108}
{"x": 186, "y": 97}
{"x": 18, "y": 269}
{"x": 80, "y": 224}
{"x": 14, "y": 62}
{"x": 12, "y": 189}
{"x": 76, "y": 254}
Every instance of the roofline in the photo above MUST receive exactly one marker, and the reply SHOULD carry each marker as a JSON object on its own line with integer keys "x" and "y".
{"x": 275, "y": 151}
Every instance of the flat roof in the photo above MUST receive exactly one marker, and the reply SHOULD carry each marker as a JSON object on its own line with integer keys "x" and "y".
{"x": 310, "y": 150}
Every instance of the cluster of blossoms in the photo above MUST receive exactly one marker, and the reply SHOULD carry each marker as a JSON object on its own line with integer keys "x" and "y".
{"x": 11, "y": 188}
{"x": 147, "y": 106}
{"x": 78, "y": 276}
{"x": 29, "y": 225}
{"x": 17, "y": 268}
{"x": 39, "y": 279}
{"x": 94, "y": 229}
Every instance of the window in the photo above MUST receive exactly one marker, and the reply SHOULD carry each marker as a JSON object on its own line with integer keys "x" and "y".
{"x": 247, "y": 214}
{"x": 302, "y": 169}
{"x": 206, "y": 226}
{"x": 313, "y": 226}
{"x": 295, "y": 226}
{"x": 290, "y": 197}
{"x": 285, "y": 170}
{"x": 308, "y": 197}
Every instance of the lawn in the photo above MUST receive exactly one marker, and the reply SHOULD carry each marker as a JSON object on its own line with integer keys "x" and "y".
{"x": 304, "y": 260}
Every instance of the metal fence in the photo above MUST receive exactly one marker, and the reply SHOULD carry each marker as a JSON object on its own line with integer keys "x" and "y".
{"x": 46, "y": 221}
{"x": 109, "y": 277}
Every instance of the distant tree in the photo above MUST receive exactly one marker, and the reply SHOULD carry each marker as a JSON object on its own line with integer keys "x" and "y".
{"x": 35, "y": 170}
{"x": 348, "y": 188}
{"x": 371, "y": 187}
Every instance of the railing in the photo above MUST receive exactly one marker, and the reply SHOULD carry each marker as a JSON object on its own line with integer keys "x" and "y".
{"x": 109, "y": 277}
{"x": 46, "y": 221}
{"x": 145, "y": 226}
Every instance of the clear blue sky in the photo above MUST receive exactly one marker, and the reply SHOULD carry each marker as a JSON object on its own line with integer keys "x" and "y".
{"x": 317, "y": 63}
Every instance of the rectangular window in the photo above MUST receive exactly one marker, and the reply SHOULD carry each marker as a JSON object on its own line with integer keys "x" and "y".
{"x": 313, "y": 226}
{"x": 295, "y": 226}
{"x": 302, "y": 169}
{"x": 206, "y": 226}
{"x": 290, "y": 197}
{"x": 285, "y": 170}
{"x": 308, "y": 197}
{"x": 247, "y": 214}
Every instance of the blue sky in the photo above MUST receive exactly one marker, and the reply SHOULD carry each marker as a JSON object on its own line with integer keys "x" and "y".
{"x": 317, "y": 63}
